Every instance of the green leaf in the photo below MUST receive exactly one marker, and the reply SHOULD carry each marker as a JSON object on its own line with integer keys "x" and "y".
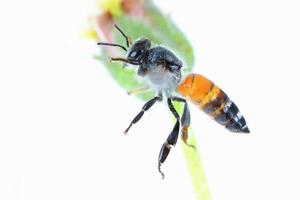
{"x": 160, "y": 30}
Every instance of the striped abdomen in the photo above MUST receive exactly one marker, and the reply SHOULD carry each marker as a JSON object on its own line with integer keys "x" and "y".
{"x": 213, "y": 101}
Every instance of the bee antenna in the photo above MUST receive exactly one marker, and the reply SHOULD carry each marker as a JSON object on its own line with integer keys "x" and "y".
{"x": 112, "y": 44}
{"x": 127, "y": 39}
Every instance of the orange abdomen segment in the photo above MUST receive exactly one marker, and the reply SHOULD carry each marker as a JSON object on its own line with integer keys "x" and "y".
{"x": 195, "y": 87}
{"x": 213, "y": 101}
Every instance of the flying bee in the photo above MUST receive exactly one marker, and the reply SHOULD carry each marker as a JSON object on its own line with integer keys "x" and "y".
{"x": 162, "y": 70}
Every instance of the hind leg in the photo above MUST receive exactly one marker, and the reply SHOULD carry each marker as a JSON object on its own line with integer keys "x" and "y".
{"x": 185, "y": 121}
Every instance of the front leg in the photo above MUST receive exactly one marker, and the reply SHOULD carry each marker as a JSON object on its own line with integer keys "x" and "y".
{"x": 126, "y": 61}
{"x": 171, "y": 140}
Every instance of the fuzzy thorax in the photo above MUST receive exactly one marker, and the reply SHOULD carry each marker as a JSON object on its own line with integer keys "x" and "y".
{"x": 162, "y": 80}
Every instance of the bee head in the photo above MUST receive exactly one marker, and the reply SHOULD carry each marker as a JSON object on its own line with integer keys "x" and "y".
{"x": 137, "y": 51}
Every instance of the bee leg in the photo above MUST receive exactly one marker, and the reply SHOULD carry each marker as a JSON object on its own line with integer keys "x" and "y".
{"x": 185, "y": 121}
{"x": 171, "y": 140}
{"x": 147, "y": 105}
{"x": 124, "y": 60}
{"x": 138, "y": 91}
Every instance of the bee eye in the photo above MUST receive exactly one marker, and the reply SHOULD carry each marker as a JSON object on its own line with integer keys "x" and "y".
{"x": 135, "y": 54}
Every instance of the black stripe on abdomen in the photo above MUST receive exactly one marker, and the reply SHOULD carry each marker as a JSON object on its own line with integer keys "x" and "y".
{"x": 231, "y": 118}
{"x": 216, "y": 103}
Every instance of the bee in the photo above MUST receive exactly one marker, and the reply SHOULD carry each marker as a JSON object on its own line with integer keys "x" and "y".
{"x": 162, "y": 71}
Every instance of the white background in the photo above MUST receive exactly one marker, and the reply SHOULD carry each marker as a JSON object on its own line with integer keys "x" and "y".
{"x": 62, "y": 116}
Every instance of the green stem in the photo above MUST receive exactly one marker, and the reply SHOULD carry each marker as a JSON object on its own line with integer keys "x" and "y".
{"x": 194, "y": 164}
{"x": 196, "y": 170}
